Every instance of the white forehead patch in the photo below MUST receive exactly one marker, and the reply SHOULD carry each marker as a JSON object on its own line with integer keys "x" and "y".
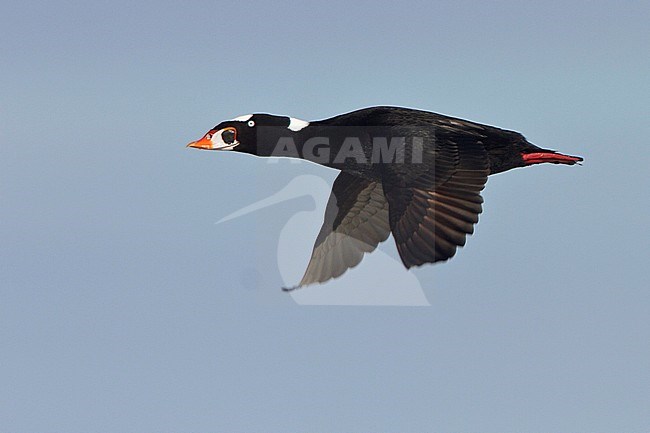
{"x": 297, "y": 124}
{"x": 244, "y": 118}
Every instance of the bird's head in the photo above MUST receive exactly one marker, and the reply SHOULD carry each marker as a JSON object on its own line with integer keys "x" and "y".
{"x": 256, "y": 134}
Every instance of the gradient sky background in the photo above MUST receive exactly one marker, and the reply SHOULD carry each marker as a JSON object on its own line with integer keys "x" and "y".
{"x": 124, "y": 308}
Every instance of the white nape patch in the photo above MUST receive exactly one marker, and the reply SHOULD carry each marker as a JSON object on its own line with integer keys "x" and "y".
{"x": 297, "y": 124}
{"x": 244, "y": 118}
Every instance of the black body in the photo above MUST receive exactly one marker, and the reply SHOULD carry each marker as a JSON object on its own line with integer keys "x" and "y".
{"x": 426, "y": 191}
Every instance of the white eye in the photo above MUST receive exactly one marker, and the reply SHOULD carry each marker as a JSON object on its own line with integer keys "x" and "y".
{"x": 251, "y": 123}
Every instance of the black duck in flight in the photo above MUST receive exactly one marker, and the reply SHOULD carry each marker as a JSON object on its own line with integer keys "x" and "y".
{"x": 412, "y": 173}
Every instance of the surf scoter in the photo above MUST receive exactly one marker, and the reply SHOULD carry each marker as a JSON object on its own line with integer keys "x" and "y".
{"x": 412, "y": 173}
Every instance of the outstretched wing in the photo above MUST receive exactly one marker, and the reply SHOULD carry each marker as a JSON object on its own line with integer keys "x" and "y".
{"x": 431, "y": 215}
{"x": 356, "y": 221}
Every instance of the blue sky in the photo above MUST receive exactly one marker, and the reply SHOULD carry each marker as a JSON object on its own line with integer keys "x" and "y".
{"x": 124, "y": 307}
